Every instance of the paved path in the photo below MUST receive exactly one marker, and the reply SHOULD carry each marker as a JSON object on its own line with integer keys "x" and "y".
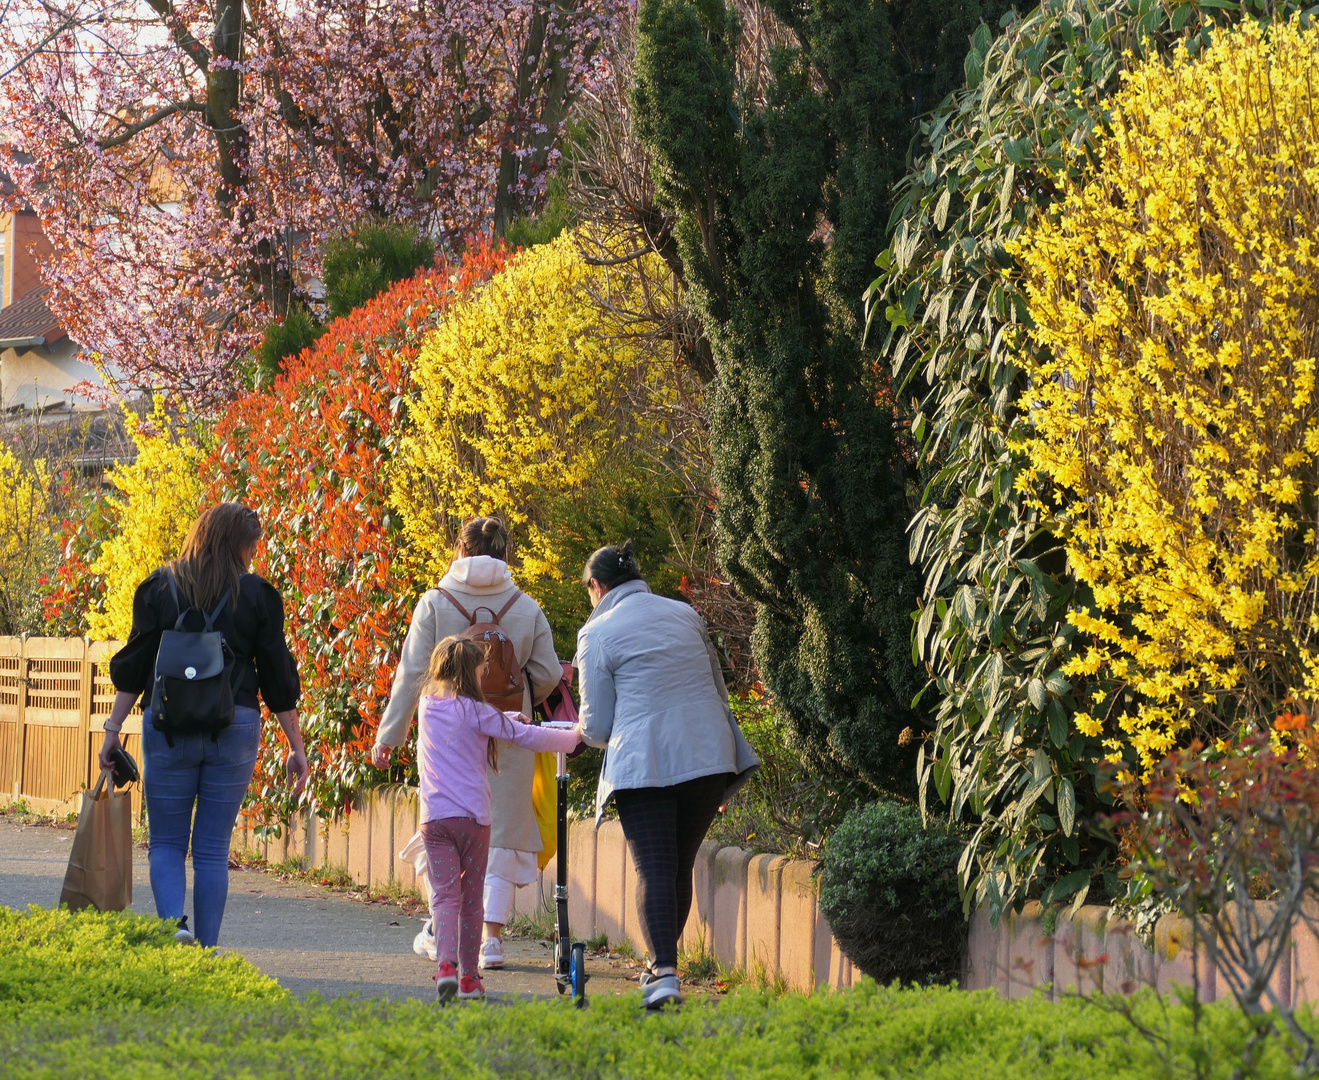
{"x": 309, "y": 938}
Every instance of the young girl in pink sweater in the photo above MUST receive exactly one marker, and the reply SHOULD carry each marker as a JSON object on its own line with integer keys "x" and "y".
{"x": 456, "y": 738}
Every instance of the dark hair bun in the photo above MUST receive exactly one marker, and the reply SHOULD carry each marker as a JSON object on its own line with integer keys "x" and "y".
{"x": 491, "y": 527}
{"x": 612, "y": 565}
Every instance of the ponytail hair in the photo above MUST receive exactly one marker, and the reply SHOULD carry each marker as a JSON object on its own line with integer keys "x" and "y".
{"x": 456, "y": 662}
{"x": 612, "y": 566}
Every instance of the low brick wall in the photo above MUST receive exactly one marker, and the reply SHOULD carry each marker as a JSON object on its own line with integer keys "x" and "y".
{"x": 1092, "y": 950}
{"x": 755, "y": 912}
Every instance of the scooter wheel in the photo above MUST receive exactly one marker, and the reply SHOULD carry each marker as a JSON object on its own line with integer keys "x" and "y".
{"x": 577, "y": 974}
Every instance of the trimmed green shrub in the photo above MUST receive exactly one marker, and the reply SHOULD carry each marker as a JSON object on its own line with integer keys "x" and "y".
{"x": 60, "y": 962}
{"x": 889, "y": 890}
{"x": 362, "y": 264}
{"x": 932, "y": 1034}
{"x": 282, "y": 339}
{"x": 113, "y": 997}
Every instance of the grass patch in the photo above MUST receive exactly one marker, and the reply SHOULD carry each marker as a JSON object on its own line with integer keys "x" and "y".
{"x": 21, "y": 812}
{"x": 113, "y": 996}
{"x": 538, "y": 926}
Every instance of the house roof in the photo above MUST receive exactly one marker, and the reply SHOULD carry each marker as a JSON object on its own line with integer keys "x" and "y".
{"x": 28, "y": 318}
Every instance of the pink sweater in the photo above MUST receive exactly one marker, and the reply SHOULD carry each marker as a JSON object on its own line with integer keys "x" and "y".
{"x": 452, "y": 737}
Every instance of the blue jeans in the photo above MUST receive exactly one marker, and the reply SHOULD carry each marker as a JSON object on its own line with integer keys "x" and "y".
{"x": 212, "y": 777}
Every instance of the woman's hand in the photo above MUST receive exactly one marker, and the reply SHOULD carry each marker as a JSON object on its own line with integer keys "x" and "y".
{"x": 380, "y": 756}
{"x": 298, "y": 770}
{"x": 123, "y": 705}
{"x": 108, "y": 747}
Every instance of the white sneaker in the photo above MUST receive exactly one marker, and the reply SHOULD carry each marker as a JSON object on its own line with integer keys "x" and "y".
{"x": 492, "y": 954}
{"x": 424, "y": 943}
{"x": 661, "y": 990}
{"x": 183, "y": 935}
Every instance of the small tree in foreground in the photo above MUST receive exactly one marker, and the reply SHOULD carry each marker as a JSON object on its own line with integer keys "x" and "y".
{"x": 1221, "y": 827}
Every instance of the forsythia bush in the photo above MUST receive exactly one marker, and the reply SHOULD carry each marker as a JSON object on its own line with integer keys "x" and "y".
{"x": 523, "y": 412}
{"x": 1175, "y": 435}
{"x": 520, "y": 396}
{"x": 160, "y": 495}
{"x": 27, "y": 538}
{"x": 311, "y": 456}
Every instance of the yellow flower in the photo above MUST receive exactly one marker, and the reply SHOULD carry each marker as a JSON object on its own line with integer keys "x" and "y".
{"x": 1173, "y": 423}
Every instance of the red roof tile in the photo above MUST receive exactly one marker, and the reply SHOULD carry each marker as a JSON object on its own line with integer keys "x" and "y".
{"x": 28, "y": 317}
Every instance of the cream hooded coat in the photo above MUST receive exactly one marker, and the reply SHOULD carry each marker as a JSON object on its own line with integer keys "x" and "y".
{"x": 480, "y": 580}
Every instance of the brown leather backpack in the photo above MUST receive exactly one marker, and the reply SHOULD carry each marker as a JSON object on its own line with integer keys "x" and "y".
{"x": 501, "y": 678}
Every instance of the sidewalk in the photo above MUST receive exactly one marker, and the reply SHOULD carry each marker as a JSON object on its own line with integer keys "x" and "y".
{"x": 307, "y": 937}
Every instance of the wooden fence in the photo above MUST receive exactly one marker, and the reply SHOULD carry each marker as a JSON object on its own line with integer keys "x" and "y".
{"x": 55, "y": 694}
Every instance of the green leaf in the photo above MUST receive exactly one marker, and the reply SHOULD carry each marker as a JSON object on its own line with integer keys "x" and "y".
{"x": 1066, "y": 885}
{"x": 943, "y": 778}
{"x": 1035, "y": 691}
{"x": 1066, "y": 806}
{"x": 1057, "y": 723}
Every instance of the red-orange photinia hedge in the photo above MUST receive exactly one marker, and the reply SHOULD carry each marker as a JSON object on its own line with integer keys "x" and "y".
{"x": 312, "y": 456}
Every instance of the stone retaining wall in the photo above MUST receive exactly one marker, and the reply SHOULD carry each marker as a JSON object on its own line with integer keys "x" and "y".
{"x": 1091, "y": 950}
{"x": 754, "y": 912}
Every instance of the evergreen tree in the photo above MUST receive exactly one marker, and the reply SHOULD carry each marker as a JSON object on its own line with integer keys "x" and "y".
{"x": 783, "y": 203}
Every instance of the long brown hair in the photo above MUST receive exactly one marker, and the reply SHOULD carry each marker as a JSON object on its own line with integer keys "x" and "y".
{"x": 456, "y": 662}
{"x": 215, "y": 553}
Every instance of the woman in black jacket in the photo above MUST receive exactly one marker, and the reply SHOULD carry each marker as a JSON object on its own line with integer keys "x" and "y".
{"x": 195, "y": 783}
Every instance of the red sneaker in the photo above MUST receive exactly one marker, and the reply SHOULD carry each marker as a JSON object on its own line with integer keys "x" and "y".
{"x": 469, "y": 988}
{"x": 446, "y": 983}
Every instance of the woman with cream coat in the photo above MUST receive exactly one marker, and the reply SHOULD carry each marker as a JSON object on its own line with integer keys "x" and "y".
{"x": 479, "y": 576}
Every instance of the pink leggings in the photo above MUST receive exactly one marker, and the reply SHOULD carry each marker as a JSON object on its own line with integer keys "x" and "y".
{"x": 456, "y": 854}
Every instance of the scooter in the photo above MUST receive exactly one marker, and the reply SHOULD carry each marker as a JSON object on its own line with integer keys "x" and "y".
{"x": 569, "y": 956}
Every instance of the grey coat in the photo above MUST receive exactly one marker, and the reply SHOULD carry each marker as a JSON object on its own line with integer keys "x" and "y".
{"x": 653, "y": 695}
{"x": 487, "y": 582}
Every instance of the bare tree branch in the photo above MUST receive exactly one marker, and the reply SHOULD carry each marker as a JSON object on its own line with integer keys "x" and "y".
{"x": 173, "y": 109}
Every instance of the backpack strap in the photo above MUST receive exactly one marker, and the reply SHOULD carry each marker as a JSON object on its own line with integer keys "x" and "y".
{"x": 517, "y": 593}
{"x": 471, "y": 619}
{"x": 178, "y": 604}
{"x": 215, "y": 611}
{"x": 183, "y": 611}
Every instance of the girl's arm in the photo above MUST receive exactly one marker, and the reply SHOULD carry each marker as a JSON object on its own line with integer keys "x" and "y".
{"x": 411, "y": 673}
{"x": 499, "y": 725}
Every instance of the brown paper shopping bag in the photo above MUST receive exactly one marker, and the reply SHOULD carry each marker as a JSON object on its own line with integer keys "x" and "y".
{"x": 100, "y": 873}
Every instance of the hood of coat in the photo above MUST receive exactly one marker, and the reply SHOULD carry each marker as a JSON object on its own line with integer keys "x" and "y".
{"x": 478, "y": 573}
{"x": 615, "y": 595}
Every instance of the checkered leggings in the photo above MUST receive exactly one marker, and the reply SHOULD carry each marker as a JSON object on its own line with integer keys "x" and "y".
{"x": 664, "y": 828}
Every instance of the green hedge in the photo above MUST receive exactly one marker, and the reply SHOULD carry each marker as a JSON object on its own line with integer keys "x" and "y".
{"x": 120, "y": 1001}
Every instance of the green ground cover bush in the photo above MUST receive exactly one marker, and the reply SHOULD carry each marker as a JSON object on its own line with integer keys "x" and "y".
{"x": 52, "y": 962}
{"x": 113, "y": 997}
{"x": 888, "y": 886}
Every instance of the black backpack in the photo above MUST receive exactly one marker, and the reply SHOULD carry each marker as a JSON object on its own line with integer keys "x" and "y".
{"x": 193, "y": 692}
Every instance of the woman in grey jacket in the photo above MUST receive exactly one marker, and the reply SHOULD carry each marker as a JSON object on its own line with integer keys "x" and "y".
{"x": 479, "y": 579}
{"x": 653, "y": 695}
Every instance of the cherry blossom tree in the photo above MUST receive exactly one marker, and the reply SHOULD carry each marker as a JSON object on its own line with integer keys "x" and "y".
{"x": 187, "y": 157}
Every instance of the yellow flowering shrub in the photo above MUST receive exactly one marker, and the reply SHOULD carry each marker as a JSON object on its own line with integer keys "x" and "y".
{"x": 159, "y": 496}
{"x": 522, "y": 411}
{"x": 28, "y": 542}
{"x": 1173, "y": 429}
